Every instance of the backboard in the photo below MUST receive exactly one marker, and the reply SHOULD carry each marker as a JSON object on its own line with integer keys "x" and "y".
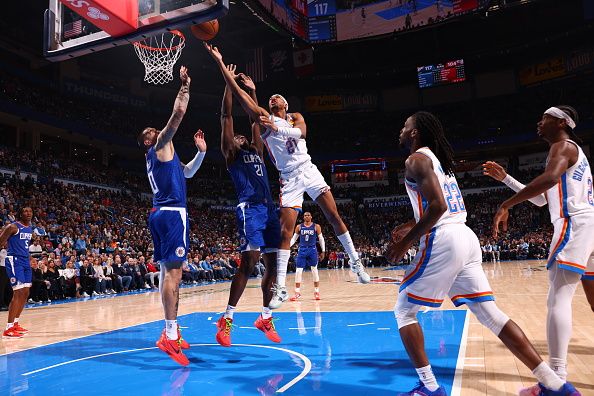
{"x": 68, "y": 35}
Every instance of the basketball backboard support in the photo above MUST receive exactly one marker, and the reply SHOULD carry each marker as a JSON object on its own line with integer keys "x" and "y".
{"x": 67, "y": 35}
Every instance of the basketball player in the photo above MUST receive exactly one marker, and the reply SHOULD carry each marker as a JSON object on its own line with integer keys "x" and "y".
{"x": 449, "y": 260}
{"x": 18, "y": 269}
{"x": 257, "y": 220}
{"x": 308, "y": 234}
{"x": 566, "y": 184}
{"x": 168, "y": 220}
{"x": 284, "y": 138}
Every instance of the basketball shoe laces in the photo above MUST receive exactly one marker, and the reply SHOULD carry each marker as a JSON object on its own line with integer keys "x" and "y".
{"x": 228, "y": 327}
{"x": 269, "y": 323}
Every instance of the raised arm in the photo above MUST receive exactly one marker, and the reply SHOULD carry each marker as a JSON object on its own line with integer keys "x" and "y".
{"x": 497, "y": 172}
{"x": 251, "y": 108}
{"x": 179, "y": 110}
{"x": 192, "y": 167}
{"x": 297, "y": 131}
{"x": 227, "y": 133}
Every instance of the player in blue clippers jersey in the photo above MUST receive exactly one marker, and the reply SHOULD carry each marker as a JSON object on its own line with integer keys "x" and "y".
{"x": 168, "y": 220}
{"x": 18, "y": 268}
{"x": 308, "y": 233}
{"x": 257, "y": 218}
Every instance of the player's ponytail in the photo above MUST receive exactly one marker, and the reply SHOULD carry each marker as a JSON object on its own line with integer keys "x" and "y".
{"x": 433, "y": 136}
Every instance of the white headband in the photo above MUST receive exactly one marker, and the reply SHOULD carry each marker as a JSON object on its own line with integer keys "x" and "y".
{"x": 283, "y": 98}
{"x": 558, "y": 113}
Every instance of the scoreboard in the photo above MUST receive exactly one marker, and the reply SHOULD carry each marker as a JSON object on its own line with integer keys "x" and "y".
{"x": 441, "y": 74}
{"x": 322, "y": 20}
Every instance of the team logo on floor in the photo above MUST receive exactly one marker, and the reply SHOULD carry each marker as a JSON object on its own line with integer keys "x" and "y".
{"x": 180, "y": 252}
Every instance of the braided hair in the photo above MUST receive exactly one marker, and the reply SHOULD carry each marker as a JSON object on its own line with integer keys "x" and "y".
{"x": 570, "y": 111}
{"x": 432, "y": 135}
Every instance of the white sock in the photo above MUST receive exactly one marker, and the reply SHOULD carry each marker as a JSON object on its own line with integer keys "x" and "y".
{"x": 282, "y": 260}
{"x": 266, "y": 313}
{"x": 16, "y": 320}
{"x": 349, "y": 247}
{"x": 229, "y": 311}
{"x": 297, "y": 290}
{"x": 171, "y": 329}
{"x": 9, "y": 325}
{"x": 559, "y": 366}
{"x": 316, "y": 289}
{"x": 427, "y": 378}
{"x": 546, "y": 376}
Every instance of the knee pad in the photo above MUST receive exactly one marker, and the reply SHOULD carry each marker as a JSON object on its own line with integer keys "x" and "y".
{"x": 405, "y": 312}
{"x": 490, "y": 316}
{"x": 315, "y": 274}
{"x": 298, "y": 275}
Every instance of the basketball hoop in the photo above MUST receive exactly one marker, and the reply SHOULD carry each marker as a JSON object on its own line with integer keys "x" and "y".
{"x": 159, "y": 54}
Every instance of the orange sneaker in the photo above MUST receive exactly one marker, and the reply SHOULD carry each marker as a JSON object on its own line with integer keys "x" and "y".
{"x": 20, "y": 329}
{"x": 317, "y": 296}
{"x": 296, "y": 297}
{"x": 172, "y": 348}
{"x": 183, "y": 344}
{"x": 267, "y": 326}
{"x": 224, "y": 327}
{"x": 12, "y": 333}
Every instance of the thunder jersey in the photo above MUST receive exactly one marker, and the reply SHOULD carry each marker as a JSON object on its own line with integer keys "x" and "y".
{"x": 307, "y": 236}
{"x": 286, "y": 153}
{"x": 572, "y": 195}
{"x": 18, "y": 244}
{"x": 167, "y": 180}
{"x": 456, "y": 212}
{"x": 248, "y": 173}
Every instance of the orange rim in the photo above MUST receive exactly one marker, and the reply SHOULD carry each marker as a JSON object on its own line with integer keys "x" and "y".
{"x": 174, "y": 32}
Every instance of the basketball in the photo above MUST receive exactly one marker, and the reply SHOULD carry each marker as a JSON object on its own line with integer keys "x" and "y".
{"x": 206, "y": 31}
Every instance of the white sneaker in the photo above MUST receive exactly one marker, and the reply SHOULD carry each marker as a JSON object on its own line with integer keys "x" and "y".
{"x": 85, "y": 294}
{"x": 359, "y": 269}
{"x": 94, "y": 294}
{"x": 279, "y": 296}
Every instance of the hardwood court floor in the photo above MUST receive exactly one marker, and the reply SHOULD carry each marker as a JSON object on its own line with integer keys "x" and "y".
{"x": 489, "y": 369}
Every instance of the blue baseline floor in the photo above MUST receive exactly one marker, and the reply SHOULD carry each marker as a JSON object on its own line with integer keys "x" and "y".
{"x": 351, "y": 353}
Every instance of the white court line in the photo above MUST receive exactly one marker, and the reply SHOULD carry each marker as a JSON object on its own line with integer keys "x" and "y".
{"x": 304, "y": 328}
{"x": 304, "y": 372}
{"x": 383, "y": 328}
{"x": 209, "y": 318}
{"x": 248, "y": 327}
{"x": 360, "y": 324}
{"x": 457, "y": 385}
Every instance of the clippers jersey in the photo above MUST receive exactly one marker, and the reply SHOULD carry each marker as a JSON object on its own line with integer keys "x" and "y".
{"x": 573, "y": 193}
{"x": 307, "y": 236}
{"x": 18, "y": 244}
{"x": 249, "y": 176}
{"x": 456, "y": 213}
{"x": 286, "y": 153}
{"x": 167, "y": 180}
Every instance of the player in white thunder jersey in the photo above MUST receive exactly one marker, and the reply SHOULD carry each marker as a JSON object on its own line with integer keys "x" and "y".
{"x": 449, "y": 261}
{"x": 566, "y": 185}
{"x": 284, "y": 139}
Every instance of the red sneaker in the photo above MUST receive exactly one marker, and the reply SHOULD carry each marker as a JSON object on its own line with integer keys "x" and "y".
{"x": 317, "y": 296}
{"x": 267, "y": 326}
{"x": 224, "y": 327}
{"x": 183, "y": 344}
{"x": 12, "y": 333}
{"x": 20, "y": 329}
{"x": 173, "y": 349}
{"x": 296, "y": 297}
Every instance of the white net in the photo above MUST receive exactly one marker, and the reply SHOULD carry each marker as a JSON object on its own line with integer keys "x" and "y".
{"x": 159, "y": 54}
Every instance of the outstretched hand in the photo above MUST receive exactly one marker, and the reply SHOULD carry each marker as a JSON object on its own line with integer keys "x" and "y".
{"x": 183, "y": 75}
{"x": 267, "y": 123}
{"x": 214, "y": 52}
{"x": 494, "y": 170}
{"x": 501, "y": 217}
{"x": 395, "y": 252}
{"x": 199, "y": 141}
{"x": 232, "y": 68}
{"x": 247, "y": 81}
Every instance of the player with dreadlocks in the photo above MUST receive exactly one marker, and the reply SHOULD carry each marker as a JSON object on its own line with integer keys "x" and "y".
{"x": 449, "y": 259}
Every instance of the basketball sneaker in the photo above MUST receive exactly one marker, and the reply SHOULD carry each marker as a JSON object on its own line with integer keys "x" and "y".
{"x": 183, "y": 344}
{"x": 359, "y": 269}
{"x": 173, "y": 349}
{"x": 224, "y": 328}
{"x": 279, "y": 296}
{"x": 540, "y": 390}
{"x": 12, "y": 333}
{"x": 421, "y": 390}
{"x": 267, "y": 326}
{"x": 296, "y": 297}
{"x": 317, "y": 296}
{"x": 19, "y": 328}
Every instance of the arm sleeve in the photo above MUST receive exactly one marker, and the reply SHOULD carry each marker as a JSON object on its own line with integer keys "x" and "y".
{"x": 192, "y": 167}
{"x": 290, "y": 132}
{"x": 539, "y": 200}
{"x": 322, "y": 242}
{"x": 294, "y": 239}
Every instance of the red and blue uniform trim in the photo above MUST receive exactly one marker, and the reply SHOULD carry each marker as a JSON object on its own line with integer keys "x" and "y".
{"x": 461, "y": 299}
{"x": 423, "y": 261}
{"x": 429, "y": 302}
